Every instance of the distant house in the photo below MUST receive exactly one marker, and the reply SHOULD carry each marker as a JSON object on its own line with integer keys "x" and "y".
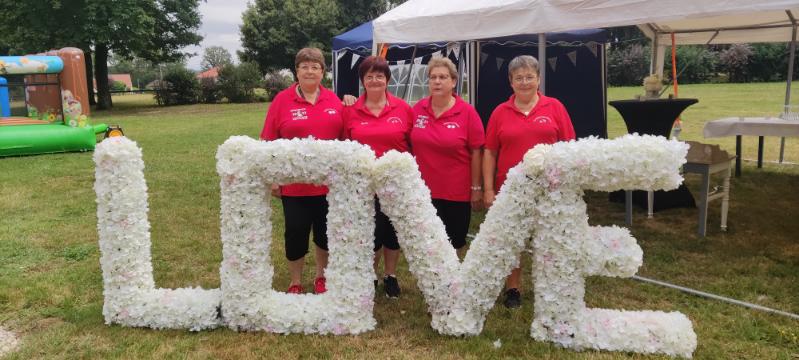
{"x": 212, "y": 73}
{"x": 123, "y": 78}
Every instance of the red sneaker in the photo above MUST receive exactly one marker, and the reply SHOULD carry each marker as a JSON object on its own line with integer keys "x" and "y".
{"x": 319, "y": 285}
{"x": 295, "y": 289}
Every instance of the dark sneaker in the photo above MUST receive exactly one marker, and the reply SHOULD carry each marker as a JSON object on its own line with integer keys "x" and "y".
{"x": 513, "y": 298}
{"x": 295, "y": 289}
{"x": 320, "y": 285}
{"x": 391, "y": 286}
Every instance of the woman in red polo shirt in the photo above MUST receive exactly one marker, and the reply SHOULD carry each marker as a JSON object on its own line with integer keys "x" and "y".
{"x": 305, "y": 109}
{"x": 527, "y": 119}
{"x": 383, "y": 122}
{"x": 447, "y": 140}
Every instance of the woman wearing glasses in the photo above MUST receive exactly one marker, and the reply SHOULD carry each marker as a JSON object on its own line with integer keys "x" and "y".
{"x": 302, "y": 110}
{"x": 527, "y": 119}
{"x": 447, "y": 140}
{"x": 383, "y": 122}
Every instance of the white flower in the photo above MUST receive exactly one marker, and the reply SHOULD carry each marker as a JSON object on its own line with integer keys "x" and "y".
{"x": 541, "y": 199}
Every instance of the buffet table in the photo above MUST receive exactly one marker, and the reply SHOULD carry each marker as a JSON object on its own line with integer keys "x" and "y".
{"x": 753, "y": 126}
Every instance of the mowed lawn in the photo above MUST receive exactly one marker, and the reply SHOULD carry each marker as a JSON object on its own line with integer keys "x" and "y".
{"x": 51, "y": 283}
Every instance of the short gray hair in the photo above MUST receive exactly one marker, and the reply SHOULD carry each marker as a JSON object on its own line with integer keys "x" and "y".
{"x": 521, "y": 62}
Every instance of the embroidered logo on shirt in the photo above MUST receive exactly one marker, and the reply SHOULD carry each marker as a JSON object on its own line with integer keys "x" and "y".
{"x": 451, "y": 125}
{"x": 541, "y": 120}
{"x": 394, "y": 120}
{"x": 330, "y": 111}
{"x": 298, "y": 114}
{"x": 421, "y": 122}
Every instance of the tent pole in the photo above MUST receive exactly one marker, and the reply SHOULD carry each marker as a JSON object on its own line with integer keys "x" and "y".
{"x": 653, "y": 55}
{"x": 410, "y": 72}
{"x": 789, "y": 80}
{"x": 542, "y": 60}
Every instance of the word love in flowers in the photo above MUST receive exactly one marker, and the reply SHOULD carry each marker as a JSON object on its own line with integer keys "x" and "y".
{"x": 541, "y": 200}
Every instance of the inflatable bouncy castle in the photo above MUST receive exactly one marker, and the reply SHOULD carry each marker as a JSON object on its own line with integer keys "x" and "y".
{"x": 54, "y": 108}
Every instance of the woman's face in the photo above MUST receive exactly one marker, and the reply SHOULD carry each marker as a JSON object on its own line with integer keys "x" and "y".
{"x": 375, "y": 82}
{"x": 524, "y": 81}
{"x": 309, "y": 74}
{"x": 440, "y": 82}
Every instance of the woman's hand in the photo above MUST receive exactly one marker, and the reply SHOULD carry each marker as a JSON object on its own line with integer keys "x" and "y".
{"x": 477, "y": 200}
{"x": 349, "y": 100}
{"x": 488, "y": 197}
{"x": 276, "y": 190}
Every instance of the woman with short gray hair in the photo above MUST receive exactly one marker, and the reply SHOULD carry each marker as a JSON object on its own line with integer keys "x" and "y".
{"x": 527, "y": 119}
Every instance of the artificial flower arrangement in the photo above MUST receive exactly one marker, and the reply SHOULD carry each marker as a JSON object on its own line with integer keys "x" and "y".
{"x": 653, "y": 84}
{"x": 541, "y": 200}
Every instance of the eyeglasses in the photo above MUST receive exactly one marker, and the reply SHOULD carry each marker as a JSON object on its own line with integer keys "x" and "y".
{"x": 439, "y": 77}
{"x": 524, "y": 79}
{"x": 379, "y": 77}
{"x": 314, "y": 67}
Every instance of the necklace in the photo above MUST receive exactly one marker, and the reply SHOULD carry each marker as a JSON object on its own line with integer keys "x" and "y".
{"x": 302, "y": 95}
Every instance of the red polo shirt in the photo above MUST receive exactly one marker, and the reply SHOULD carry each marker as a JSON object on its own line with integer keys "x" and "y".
{"x": 443, "y": 148}
{"x": 388, "y": 131}
{"x": 290, "y": 116}
{"x": 511, "y": 133}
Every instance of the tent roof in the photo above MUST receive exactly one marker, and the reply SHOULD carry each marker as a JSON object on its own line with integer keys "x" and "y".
{"x": 360, "y": 38}
{"x": 455, "y": 20}
{"x": 764, "y": 26}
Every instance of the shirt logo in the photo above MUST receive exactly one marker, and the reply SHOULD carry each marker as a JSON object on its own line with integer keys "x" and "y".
{"x": 299, "y": 114}
{"x": 394, "y": 120}
{"x": 330, "y": 111}
{"x": 421, "y": 122}
{"x": 541, "y": 120}
{"x": 451, "y": 125}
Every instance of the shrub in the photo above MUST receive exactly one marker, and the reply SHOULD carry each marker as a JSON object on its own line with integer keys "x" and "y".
{"x": 695, "y": 64}
{"x": 237, "y": 83}
{"x": 180, "y": 86}
{"x": 209, "y": 91}
{"x": 734, "y": 61}
{"x": 628, "y": 66}
{"x": 118, "y": 86}
{"x": 276, "y": 82}
{"x": 769, "y": 62}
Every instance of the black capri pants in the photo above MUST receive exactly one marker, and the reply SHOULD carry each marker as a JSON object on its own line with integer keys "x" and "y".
{"x": 456, "y": 216}
{"x": 302, "y": 213}
{"x": 385, "y": 235}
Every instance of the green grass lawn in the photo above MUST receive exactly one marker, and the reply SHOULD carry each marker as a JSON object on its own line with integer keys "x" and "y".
{"x": 51, "y": 284}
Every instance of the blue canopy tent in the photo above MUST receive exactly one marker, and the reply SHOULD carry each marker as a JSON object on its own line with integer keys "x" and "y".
{"x": 575, "y": 70}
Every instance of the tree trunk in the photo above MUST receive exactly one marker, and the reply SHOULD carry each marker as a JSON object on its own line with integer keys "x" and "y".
{"x": 101, "y": 76}
{"x": 87, "y": 55}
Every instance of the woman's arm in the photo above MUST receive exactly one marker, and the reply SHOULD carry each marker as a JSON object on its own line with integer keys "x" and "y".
{"x": 489, "y": 166}
{"x": 477, "y": 189}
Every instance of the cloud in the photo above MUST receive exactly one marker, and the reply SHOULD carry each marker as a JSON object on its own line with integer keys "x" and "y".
{"x": 220, "y": 27}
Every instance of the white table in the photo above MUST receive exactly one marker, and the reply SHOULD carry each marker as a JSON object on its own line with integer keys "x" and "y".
{"x": 755, "y": 126}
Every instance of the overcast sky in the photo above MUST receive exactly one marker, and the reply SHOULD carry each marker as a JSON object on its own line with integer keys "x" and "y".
{"x": 220, "y": 27}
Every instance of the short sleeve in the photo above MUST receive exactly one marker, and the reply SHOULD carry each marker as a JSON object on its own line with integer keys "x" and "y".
{"x": 492, "y": 133}
{"x": 565, "y": 127}
{"x": 271, "y": 129}
{"x": 476, "y": 137}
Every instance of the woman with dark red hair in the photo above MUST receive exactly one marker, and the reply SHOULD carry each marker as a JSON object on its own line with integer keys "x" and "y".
{"x": 383, "y": 122}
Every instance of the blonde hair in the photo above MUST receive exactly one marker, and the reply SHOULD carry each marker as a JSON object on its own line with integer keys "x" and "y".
{"x": 309, "y": 54}
{"x": 442, "y": 62}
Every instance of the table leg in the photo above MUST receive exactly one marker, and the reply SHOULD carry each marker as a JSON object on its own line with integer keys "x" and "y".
{"x": 628, "y": 207}
{"x": 650, "y": 203}
{"x": 737, "y": 155}
{"x": 725, "y": 200}
{"x": 760, "y": 151}
{"x": 703, "y": 200}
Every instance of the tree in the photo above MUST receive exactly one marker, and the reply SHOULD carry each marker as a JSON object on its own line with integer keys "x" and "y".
{"x": 356, "y": 12}
{"x": 215, "y": 56}
{"x": 238, "y": 83}
{"x": 273, "y": 30}
{"x": 734, "y": 60}
{"x": 155, "y": 30}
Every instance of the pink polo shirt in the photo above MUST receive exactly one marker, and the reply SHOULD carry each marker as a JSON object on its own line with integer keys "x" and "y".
{"x": 511, "y": 133}
{"x": 443, "y": 148}
{"x": 388, "y": 131}
{"x": 290, "y": 116}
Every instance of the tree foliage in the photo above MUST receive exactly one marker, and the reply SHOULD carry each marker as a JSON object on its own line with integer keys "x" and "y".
{"x": 215, "y": 56}
{"x": 155, "y": 30}
{"x": 274, "y": 30}
{"x": 237, "y": 83}
{"x": 180, "y": 87}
